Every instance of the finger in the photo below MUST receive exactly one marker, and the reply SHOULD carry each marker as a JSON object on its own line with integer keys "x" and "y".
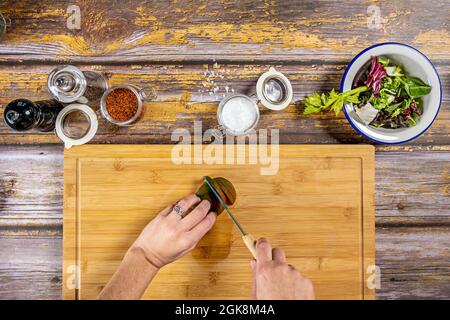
{"x": 203, "y": 227}
{"x": 263, "y": 250}
{"x": 294, "y": 269}
{"x": 197, "y": 215}
{"x": 184, "y": 205}
{"x": 166, "y": 211}
{"x": 279, "y": 255}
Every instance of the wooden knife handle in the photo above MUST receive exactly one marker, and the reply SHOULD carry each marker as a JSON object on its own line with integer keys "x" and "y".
{"x": 250, "y": 243}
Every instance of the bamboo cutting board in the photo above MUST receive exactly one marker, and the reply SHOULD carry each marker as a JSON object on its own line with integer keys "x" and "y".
{"x": 319, "y": 207}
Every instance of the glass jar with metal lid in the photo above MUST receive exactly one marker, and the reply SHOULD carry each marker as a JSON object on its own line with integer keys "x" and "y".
{"x": 123, "y": 105}
{"x": 238, "y": 114}
{"x": 68, "y": 84}
{"x": 274, "y": 90}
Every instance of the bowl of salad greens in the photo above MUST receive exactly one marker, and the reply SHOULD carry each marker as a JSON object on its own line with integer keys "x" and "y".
{"x": 390, "y": 93}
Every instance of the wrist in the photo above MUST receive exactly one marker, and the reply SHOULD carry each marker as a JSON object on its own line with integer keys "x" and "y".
{"x": 137, "y": 255}
{"x": 132, "y": 277}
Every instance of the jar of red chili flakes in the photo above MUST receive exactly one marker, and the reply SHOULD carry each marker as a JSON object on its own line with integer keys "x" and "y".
{"x": 123, "y": 105}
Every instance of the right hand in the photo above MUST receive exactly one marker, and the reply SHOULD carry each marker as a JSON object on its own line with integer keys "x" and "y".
{"x": 169, "y": 236}
{"x": 274, "y": 279}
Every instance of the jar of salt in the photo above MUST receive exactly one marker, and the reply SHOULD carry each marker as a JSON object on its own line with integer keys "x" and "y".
{"x": 238, "y": 114}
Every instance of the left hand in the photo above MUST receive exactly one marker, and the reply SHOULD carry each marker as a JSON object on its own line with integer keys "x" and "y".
{"x": 170, "y": 236}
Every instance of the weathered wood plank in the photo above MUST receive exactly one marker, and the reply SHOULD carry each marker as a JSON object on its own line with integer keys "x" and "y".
{"x": 31, "y": 184}
{"x": 192, "y": 92}
{"x": 30, "y": 267}
{"x": 413, "y": 184}
{"x": 414, "y": 263}
{"x": 245, "y": 30}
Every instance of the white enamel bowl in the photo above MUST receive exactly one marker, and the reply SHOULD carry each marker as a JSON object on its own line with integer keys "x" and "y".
{"x": 415, "y": 64}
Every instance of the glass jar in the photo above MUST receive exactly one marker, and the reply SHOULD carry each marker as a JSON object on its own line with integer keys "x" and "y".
{"x": 76, "y": 124}
{"x": 238, "y": 114}
{"x": 141, "y": 97}
{"x": 68, "y": 84}
{"x": 274, "y": 90}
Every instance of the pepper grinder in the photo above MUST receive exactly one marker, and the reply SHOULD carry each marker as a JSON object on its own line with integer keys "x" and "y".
{"x": 23, "y": 114}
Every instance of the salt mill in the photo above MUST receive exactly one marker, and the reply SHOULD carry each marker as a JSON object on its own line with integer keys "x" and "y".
{"x": 23, "y": 114}
{"x": 68, "y": 84}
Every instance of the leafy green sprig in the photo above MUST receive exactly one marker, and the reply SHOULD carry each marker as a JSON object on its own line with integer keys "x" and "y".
{"x": 332, "y": 100}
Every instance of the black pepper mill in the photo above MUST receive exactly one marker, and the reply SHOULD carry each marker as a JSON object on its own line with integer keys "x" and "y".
{"x": 23, "y": 114}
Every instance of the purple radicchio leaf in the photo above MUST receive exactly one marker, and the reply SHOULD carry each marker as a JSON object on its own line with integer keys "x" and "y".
{"x": 407, "y": 113}
{"x": 414, "y": 108}
{"x": 376, "y": 73}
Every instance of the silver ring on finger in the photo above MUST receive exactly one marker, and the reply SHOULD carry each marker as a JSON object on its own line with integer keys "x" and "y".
{"x": 178, "y": 210}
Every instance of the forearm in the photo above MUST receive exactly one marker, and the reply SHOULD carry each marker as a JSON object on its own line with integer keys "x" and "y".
{"x": 132, "y": 277}
{"x": 169, "y": 236}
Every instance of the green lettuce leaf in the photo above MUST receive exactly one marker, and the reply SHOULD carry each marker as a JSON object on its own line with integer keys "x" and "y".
{"x": 415, "y": 87}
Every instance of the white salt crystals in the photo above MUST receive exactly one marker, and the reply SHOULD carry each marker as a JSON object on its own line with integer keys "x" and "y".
{"x": 238, "y": 114}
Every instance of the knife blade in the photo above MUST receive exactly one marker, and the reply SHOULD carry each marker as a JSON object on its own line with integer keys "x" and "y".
{"x": 246, "y": 237}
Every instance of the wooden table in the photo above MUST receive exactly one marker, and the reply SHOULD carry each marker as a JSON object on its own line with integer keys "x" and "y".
{"x": 193, "y": 51}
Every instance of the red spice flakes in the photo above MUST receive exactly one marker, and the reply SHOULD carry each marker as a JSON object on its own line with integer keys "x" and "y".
{"x": 121, "y": 104}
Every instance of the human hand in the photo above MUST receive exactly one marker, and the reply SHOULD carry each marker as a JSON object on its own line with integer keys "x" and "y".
{"x": 274, "y": 279}
{"x": 169, "y": 236}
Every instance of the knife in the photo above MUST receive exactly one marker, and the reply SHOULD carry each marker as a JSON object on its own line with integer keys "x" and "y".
{"x": 246, "y": 237}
